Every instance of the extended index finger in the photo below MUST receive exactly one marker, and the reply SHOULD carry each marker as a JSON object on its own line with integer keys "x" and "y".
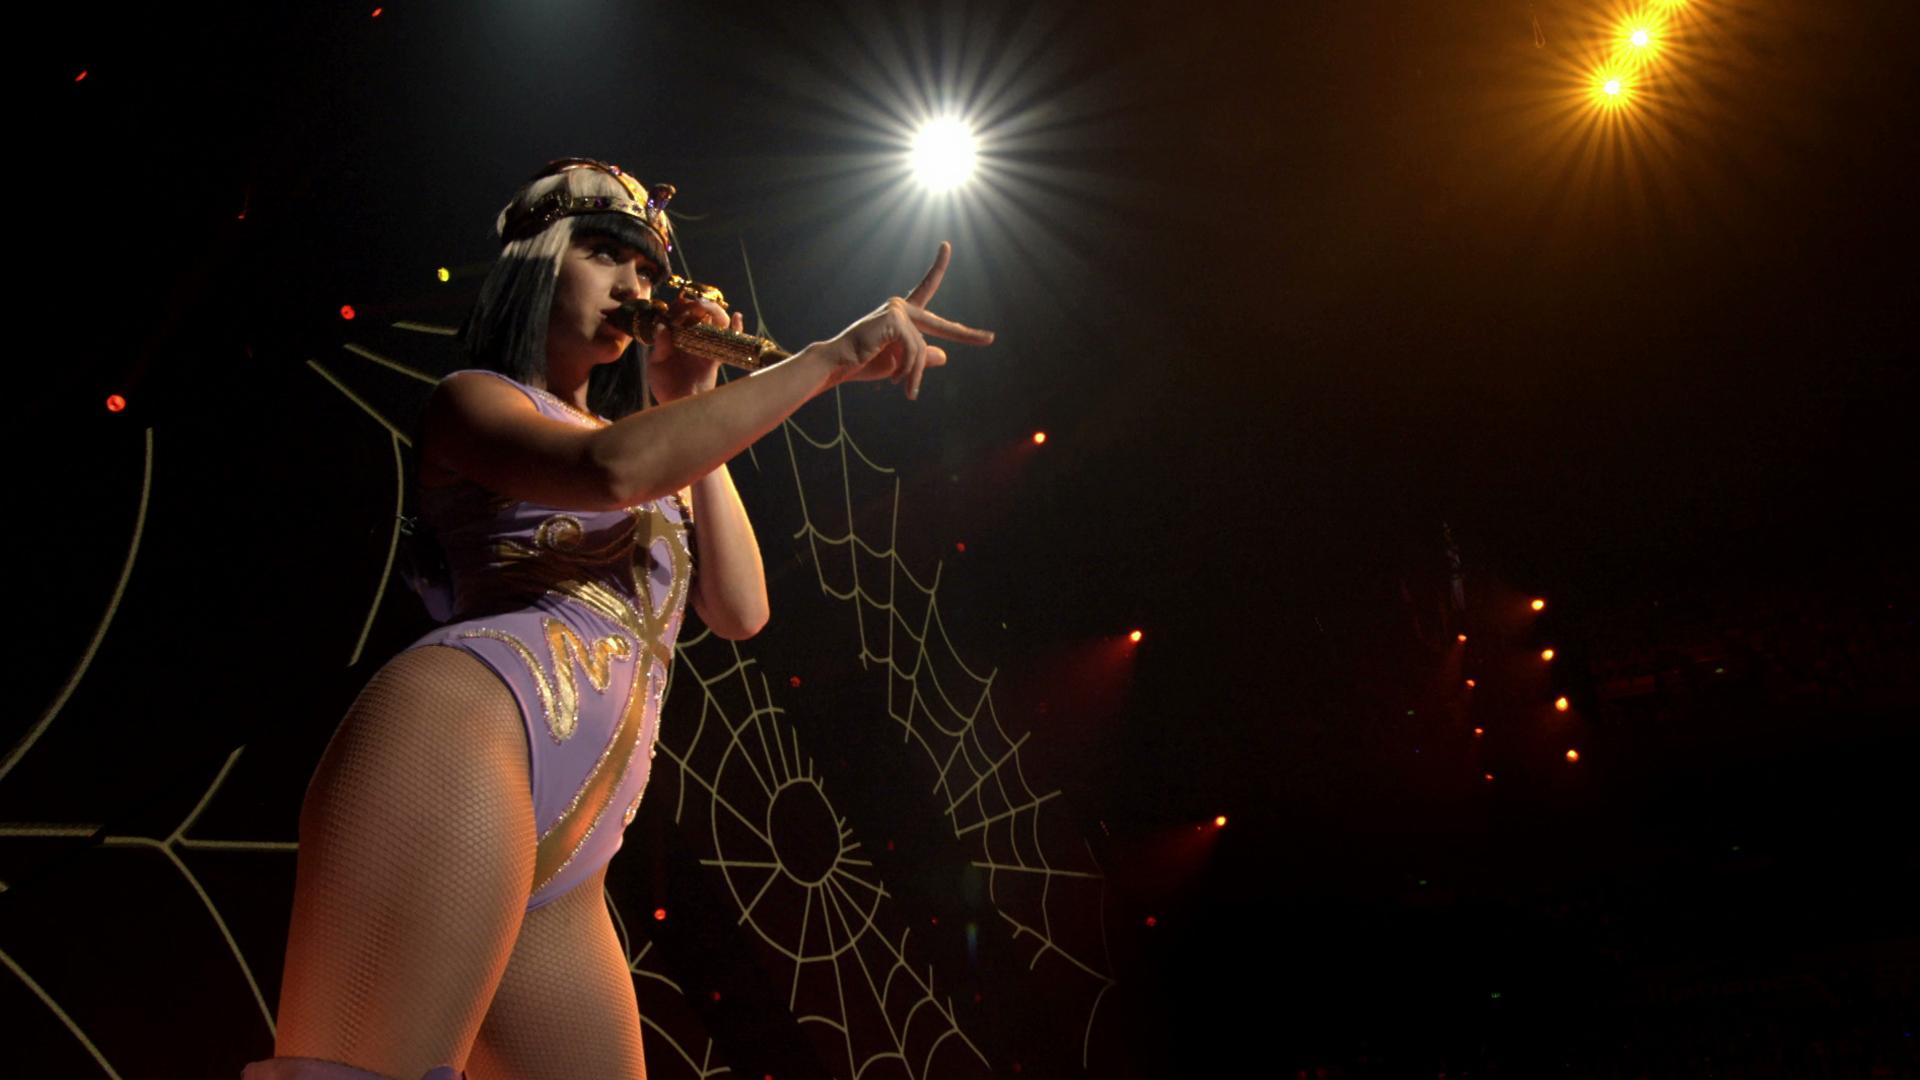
{"x": 930, "y": 284}
{"x": 930, "y": 323}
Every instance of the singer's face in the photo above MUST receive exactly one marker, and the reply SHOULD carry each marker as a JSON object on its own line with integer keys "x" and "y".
{"x": 597, "y": 275}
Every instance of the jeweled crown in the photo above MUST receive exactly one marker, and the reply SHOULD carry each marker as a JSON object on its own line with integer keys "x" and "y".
{"x": 647, "y": 205}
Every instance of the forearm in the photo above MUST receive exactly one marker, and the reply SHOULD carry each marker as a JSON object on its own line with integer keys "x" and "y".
{"x": 731, "y": 582}
{"x": 666, "y": 448}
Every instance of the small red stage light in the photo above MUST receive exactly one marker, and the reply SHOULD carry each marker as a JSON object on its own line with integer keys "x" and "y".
{"x": 376, "y": 12}
{"x": 716, "y": 995}
{"x": 82, "y": 77}
{"x": 1462, "y": 638}
{"x": 659, "y": 914}
{"x": 793, "y": 681}
{"x": 1561, "y": 705}
{"x": 1039, "y": 437}
{"x": 1151, "y": 921}
{"x": 959, "y": 545}
{"x": 1479, "y": 731}
{"x": 346, "y": 312}
{"x": 1471, "y": 684}
{"x": 115, "y": 403}
{"x": 1488, "y": 777}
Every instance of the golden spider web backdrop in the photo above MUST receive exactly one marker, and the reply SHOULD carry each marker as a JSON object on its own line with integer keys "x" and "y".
{"x": 847, "y": 864}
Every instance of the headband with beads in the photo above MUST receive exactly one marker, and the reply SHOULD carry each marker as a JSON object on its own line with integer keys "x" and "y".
{"x": 647, "y": 205}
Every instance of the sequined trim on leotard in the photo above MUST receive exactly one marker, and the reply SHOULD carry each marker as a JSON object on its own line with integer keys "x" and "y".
{"x": 552, "y": 599}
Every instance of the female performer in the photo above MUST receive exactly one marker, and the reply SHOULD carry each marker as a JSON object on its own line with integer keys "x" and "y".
{"x": 448, "y": 911}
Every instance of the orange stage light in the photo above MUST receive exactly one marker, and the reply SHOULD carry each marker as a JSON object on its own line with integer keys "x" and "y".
{"x": 1220, "y": 822}
{"x": 1471, "y": 684}
{"x": 659, "y": 914}
{"x": 1479, "y": 731}
{"x": 1546, "y": 654}
{"x": 1538, "y": 605}
{"x": 1134, "y": 637}
{"x": 1573, "y": 755}
{"x": 1561, "y": 705}
{"x": 115, "y": 403}
{"x": 1462, "y": 638}
{"x": 1039, "y": 437}
{"x": 1488, "y": 777}
{"x": 1613, "y": 83}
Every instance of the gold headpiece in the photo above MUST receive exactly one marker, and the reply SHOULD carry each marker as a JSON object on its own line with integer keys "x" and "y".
{"x": 646, "y": 205}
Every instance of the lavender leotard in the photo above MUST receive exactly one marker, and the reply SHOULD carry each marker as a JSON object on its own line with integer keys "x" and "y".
{"x": 552, "y": 601}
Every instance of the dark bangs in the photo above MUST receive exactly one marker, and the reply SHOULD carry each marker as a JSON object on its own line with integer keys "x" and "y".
{"x": 625, "y": 230}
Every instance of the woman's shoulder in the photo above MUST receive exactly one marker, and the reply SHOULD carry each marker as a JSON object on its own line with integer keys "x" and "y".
{"x": 477, "y": 377}
{"x": 480, "y": 423}
{"x": 471, "y": 394}
{"x": 481, "y": 386}
{"x": 457, "y": 400}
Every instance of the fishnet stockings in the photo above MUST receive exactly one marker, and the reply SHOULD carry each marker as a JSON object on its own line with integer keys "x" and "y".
{"x": 416, "y": 858}
{"x": 565, "y": 1009}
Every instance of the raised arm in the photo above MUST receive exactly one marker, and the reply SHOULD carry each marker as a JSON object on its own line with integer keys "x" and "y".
{"x": 491, "y": 434}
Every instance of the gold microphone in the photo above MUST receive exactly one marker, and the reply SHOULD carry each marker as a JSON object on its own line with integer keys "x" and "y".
{"x": 747, "y": 351}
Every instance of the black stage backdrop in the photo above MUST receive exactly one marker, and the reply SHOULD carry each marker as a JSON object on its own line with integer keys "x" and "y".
{"x": 1353, "y": 329}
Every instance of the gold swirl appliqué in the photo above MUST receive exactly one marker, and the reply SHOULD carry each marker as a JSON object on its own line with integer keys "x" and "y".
{"x": 566, "y": 649}
{"x": 612, "y": 581}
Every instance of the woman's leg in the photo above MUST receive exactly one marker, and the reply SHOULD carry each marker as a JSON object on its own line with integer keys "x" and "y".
{"x": 416, "y": 858}
{"x": 565, "y": 1008}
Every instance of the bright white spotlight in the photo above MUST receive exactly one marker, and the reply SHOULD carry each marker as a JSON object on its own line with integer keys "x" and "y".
{"x": 943, "y": 153}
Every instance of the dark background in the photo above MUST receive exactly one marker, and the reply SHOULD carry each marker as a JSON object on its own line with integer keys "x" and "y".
{"x": 1292, "y": 290}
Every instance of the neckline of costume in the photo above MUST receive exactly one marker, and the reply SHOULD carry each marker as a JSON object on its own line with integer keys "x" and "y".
{"x": 591, "y": 418}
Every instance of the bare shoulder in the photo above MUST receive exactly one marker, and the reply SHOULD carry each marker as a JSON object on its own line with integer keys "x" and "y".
{"x": 462, "y": 407}
{"x": 477, "y": 396}
{"x": 487, "y": 429}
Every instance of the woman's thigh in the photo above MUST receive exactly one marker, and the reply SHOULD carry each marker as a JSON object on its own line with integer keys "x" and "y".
{"x": 565, "y": 1007}
{"x": 416, "y": 857}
